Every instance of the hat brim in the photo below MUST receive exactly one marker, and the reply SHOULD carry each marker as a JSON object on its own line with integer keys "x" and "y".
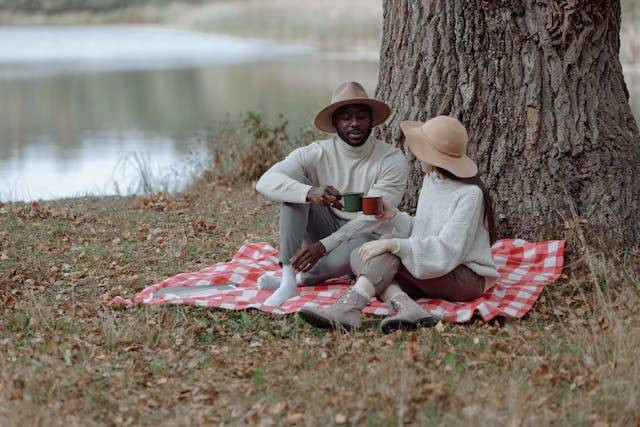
{"x": 379, "y": 113}
{"x": 422, "y": 148}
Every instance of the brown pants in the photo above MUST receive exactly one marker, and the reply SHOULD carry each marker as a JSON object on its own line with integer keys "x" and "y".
{"x": 462, "y": 284}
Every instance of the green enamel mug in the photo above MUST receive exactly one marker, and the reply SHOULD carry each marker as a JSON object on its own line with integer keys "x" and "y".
{"x": 352, "y": 202}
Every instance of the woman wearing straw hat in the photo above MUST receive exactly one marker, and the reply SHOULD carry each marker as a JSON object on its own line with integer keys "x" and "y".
{"x": 443, "y": 252}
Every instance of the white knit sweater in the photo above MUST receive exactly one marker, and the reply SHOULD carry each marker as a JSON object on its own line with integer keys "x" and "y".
{"x": 448, "y": 230}
{"x": 374, "y": 168}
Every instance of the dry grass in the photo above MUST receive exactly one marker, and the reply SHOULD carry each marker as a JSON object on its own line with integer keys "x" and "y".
{"x": 241, "y": 153}
{"x": 67, "y": 357}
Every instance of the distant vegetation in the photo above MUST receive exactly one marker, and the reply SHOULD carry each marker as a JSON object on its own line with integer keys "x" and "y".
{"x": 323, "y": 23}
{"x": 630, "y": 33}
{"x": 59, "y": 6}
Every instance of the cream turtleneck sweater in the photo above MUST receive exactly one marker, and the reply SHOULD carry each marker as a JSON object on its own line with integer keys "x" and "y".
{"x": 447, "y": 230}
{"x": 374, "y": 168}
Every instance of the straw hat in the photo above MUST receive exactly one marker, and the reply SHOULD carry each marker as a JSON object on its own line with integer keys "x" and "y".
{"x": 441, "y": 141}
{"x": 346, "y": 94}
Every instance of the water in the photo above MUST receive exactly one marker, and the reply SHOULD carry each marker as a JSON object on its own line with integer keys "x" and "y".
{"x": 121, "y": 47}
{"x": 82, "y": 108}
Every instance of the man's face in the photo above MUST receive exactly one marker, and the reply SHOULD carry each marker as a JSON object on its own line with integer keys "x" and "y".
{"x": 353, "y": 123}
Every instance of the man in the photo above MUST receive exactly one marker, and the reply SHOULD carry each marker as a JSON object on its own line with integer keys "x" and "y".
{"x": 310, "y": 183}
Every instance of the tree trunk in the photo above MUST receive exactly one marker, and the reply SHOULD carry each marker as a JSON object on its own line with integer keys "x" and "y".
{"x": 539, "y": 86}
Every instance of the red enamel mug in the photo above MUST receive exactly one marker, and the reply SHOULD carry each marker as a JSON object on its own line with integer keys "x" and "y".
{"x": 372, "y": 205}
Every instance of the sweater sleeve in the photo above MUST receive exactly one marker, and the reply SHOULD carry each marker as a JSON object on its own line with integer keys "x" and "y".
{"x": 279, "y": 182}
{"x": 390, "y": 184}
{"x": 402, "y": 224}
{"x": 434, "y": 256}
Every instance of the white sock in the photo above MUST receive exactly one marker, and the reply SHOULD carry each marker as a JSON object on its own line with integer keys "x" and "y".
{"x": 364, "y": 287}
{"x": 288, "y": 288}
{"x": 270, "y": 282}
{"x": 391, "y": 291}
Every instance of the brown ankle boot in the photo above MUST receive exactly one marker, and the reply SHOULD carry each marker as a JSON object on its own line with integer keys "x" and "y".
{"x": 409, "y": 315}
{"x": 344, "y": 313}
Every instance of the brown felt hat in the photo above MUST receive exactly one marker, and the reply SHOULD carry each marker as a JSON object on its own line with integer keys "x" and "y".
{"x": 347, "y": 94}
{"x": 441, "y": 141}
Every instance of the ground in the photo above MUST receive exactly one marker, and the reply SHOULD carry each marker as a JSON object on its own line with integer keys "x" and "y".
{"x": 68, "y": 357}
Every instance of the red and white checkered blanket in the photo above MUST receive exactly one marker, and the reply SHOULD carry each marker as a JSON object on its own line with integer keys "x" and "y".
{"x": 525, "y": 269}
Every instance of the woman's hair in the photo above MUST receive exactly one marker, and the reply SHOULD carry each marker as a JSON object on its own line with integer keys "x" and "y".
{"x": 489, "y": 219}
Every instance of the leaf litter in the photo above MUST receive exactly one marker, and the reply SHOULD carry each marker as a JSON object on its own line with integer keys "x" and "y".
{"x": 572, "y": 357}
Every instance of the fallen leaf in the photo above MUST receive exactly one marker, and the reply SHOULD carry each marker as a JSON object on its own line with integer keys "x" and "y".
{"x": 294, "y": 417}
{"x": 471, "y": 411}
{"x": 277, "y": 408}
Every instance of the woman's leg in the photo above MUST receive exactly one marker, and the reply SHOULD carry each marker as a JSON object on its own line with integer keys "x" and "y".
{"x": 460, "y": 285}
{"x": 409, "y": 314}
{"x": 375, "y": 275}
{"x": 388, "y": 294}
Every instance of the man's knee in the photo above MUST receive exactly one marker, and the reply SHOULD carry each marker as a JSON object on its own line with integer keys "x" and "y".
{"x": 302, "y": 179}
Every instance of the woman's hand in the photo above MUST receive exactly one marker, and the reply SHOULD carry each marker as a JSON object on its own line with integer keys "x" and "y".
{"x": 388, "y": 212}
{"x": 375, "y": 248}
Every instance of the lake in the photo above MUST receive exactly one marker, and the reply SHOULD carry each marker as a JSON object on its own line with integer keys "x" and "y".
{"x": 81, "y": 105}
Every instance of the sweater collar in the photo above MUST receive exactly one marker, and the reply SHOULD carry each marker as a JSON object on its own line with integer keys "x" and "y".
{"x": 440, "y": 183}
{"x": 347, "y": 150}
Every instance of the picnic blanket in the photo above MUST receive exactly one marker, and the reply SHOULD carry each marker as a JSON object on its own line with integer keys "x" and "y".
{"x": 525, "y": 269}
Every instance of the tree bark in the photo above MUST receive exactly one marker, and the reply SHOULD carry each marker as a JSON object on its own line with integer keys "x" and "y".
{"x": 539, "y": 86}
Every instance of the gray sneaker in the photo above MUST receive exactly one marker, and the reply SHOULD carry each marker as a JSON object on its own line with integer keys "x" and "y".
{"x": 343, "y": 314}
{"x": 409, "y": 315}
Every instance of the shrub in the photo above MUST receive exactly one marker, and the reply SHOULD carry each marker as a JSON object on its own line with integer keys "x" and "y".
{"x": 243, "y": 153}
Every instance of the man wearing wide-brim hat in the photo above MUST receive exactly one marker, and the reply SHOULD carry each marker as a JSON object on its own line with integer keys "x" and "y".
{"x": 316, "y": 234}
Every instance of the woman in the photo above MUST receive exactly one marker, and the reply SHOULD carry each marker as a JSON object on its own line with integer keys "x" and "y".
{"x": 442, "y": 252}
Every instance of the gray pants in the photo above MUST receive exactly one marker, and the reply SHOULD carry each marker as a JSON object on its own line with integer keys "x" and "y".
{"x": 308, "y": 223}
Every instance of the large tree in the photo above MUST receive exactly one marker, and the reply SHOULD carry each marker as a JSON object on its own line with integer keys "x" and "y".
{"x": 539, "y": 85}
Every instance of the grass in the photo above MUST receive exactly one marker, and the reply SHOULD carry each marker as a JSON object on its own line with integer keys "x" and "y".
{"x": 67, "y": 356}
